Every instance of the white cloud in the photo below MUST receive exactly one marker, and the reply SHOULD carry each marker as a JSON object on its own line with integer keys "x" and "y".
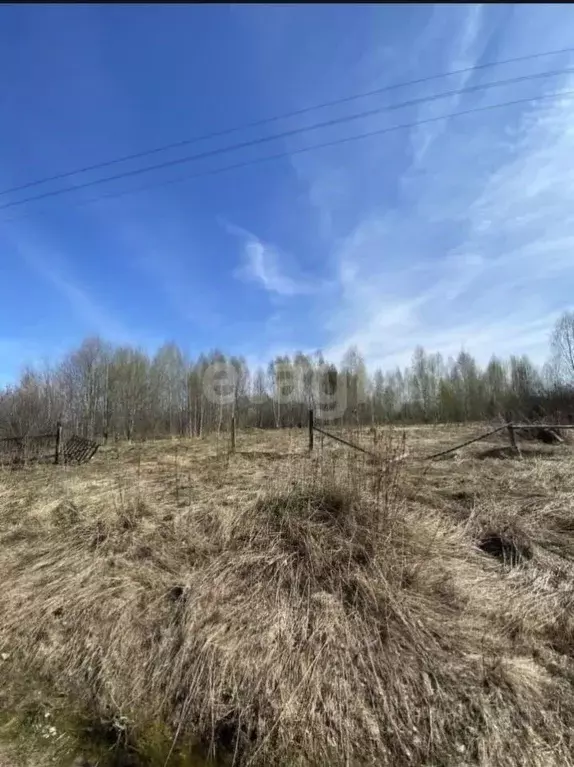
{"x": 262, "y": 264}
{"x": 466, "y": 44}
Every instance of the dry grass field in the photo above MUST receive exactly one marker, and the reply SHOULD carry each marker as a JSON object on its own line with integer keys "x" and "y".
{"x": 170, "y": 604}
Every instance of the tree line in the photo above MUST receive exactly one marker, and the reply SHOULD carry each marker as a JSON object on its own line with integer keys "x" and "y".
{"x": 104, "y": 391}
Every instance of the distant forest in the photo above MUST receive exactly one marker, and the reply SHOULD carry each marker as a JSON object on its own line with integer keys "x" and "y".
{"x": 103, "y": 391}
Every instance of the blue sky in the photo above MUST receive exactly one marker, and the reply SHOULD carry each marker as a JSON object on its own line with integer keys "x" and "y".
{"x": 450, "y": 234}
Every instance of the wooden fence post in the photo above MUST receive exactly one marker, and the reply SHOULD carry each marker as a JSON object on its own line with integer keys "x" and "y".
{"x": 310, "y": 431}
{"x": 232, "y": 433}
{"x": 58, "y": 443}
{"x": 512, "y": 435}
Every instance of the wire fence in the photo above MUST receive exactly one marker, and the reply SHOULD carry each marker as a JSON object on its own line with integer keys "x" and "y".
{"x": 355, "y": 438}
{"x": 49, "y": 448}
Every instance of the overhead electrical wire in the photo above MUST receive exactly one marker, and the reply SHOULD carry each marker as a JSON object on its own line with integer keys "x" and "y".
{"x": 284, "y": 134}
{"x": 301, "y": 150}
{"x": 284, "y": 116}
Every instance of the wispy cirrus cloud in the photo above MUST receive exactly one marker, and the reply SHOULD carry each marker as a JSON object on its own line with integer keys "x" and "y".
{"x": 462, "y": 29}
{"x": 263, "y": 264}
{"x": 467, "y": 240}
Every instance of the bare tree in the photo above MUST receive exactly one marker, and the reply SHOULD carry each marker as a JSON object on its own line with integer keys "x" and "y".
{"x": 83, "y": 377}
{"x": 562, "y": 345}
{"x": 128, "y": 377}
{"x": 97, "y": 388}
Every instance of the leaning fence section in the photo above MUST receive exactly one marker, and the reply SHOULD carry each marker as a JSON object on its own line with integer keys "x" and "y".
{"x": 55, "y": 447}
{"x": 79, "y": 450}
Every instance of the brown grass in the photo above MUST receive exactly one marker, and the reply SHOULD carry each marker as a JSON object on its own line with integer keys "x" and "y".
{"x": 172, "y": 602}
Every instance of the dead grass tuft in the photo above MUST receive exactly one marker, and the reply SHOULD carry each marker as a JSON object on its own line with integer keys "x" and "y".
{"x": 504, "y": 548}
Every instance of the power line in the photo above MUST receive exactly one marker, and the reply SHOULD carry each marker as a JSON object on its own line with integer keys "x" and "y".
{"x": 282, "y": 135}
{"x": 301, "y": 150}
{"x": 284, "y": 116}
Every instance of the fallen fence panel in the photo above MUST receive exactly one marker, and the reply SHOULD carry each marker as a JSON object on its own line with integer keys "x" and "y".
{"x": 79, "y": 450}
{"x": 464, "y": 444}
